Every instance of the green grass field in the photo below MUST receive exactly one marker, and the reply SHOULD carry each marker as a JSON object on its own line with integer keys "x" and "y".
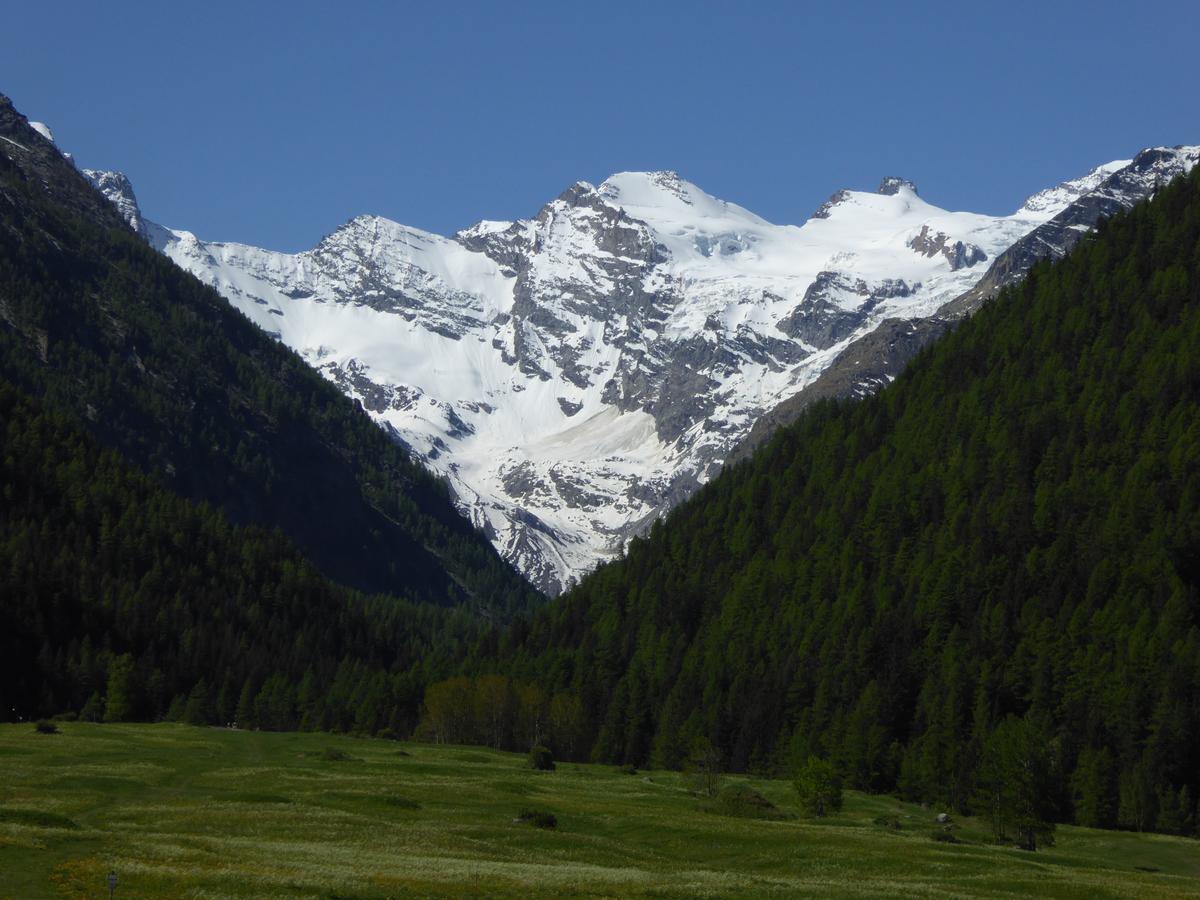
{"x": 178, "y": 811}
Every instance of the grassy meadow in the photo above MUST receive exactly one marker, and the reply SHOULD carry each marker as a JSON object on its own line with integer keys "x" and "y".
{"x": 179, "y": 811}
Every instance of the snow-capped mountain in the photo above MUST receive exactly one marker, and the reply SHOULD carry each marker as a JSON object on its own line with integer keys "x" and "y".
{"x": 575, "y": 374}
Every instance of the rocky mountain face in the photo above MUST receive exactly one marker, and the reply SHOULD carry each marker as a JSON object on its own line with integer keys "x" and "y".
{"x": 875, "y": 358}
{"x": 575, "y": 374}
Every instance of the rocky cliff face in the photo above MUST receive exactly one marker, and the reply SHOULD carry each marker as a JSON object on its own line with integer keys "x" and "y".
{"x": 575, "y": 374}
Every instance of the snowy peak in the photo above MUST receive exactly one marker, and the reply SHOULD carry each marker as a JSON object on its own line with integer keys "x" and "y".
{"x": 889, "y": 186}
{"x": 902, "y": 203}
{"x": 893, "y": 185}
{"x": 665, "y": 197}
{"x": 650, "y": 190}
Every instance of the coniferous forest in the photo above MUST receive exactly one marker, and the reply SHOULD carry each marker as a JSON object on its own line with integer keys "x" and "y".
{"x": 125, "y": 602}
{"x": 1000, "y": 550}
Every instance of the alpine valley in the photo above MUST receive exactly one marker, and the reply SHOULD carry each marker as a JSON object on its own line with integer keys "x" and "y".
{"x": 575, "y": 375}
{"x": 900, "y": 504}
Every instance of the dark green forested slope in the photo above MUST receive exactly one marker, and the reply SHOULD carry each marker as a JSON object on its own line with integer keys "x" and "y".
{"x": 1012, "y": 528}
{"x": 159, "y": 367}
{"x": 121, "y": 600}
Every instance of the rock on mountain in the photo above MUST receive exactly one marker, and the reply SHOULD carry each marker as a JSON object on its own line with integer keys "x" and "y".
{"x": 116, "y": 187}
{"x": 575, "y": 374}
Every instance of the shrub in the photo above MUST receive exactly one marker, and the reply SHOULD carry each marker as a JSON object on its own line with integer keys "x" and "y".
{"x": 819, "y": 787}
{"x": 93, "y": 710}
{"x": 538, "y": 818}
{"x": 944, "y": 837}
{"x": 541, "y": 758}
{"x": 45, "y": 726}
{"x": 892, "y": 822}
{"x": 628, "y": 769}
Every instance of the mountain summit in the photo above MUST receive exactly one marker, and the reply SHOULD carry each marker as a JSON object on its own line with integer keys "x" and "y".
{"x": 893, "y": 185}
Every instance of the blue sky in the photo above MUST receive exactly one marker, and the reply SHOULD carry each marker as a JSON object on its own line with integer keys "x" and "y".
{"x": 274, "y": 123}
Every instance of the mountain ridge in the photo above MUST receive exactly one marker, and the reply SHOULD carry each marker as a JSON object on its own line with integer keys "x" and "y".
{"x": 670, "y": 320}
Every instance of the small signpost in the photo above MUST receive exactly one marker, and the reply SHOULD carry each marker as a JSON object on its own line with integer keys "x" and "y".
{"x": 112, "y": 884}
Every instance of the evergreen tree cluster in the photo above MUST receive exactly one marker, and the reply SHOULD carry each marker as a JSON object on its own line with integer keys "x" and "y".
{"x": 1009, "y": 533}
{"x": 122, "y": 601}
